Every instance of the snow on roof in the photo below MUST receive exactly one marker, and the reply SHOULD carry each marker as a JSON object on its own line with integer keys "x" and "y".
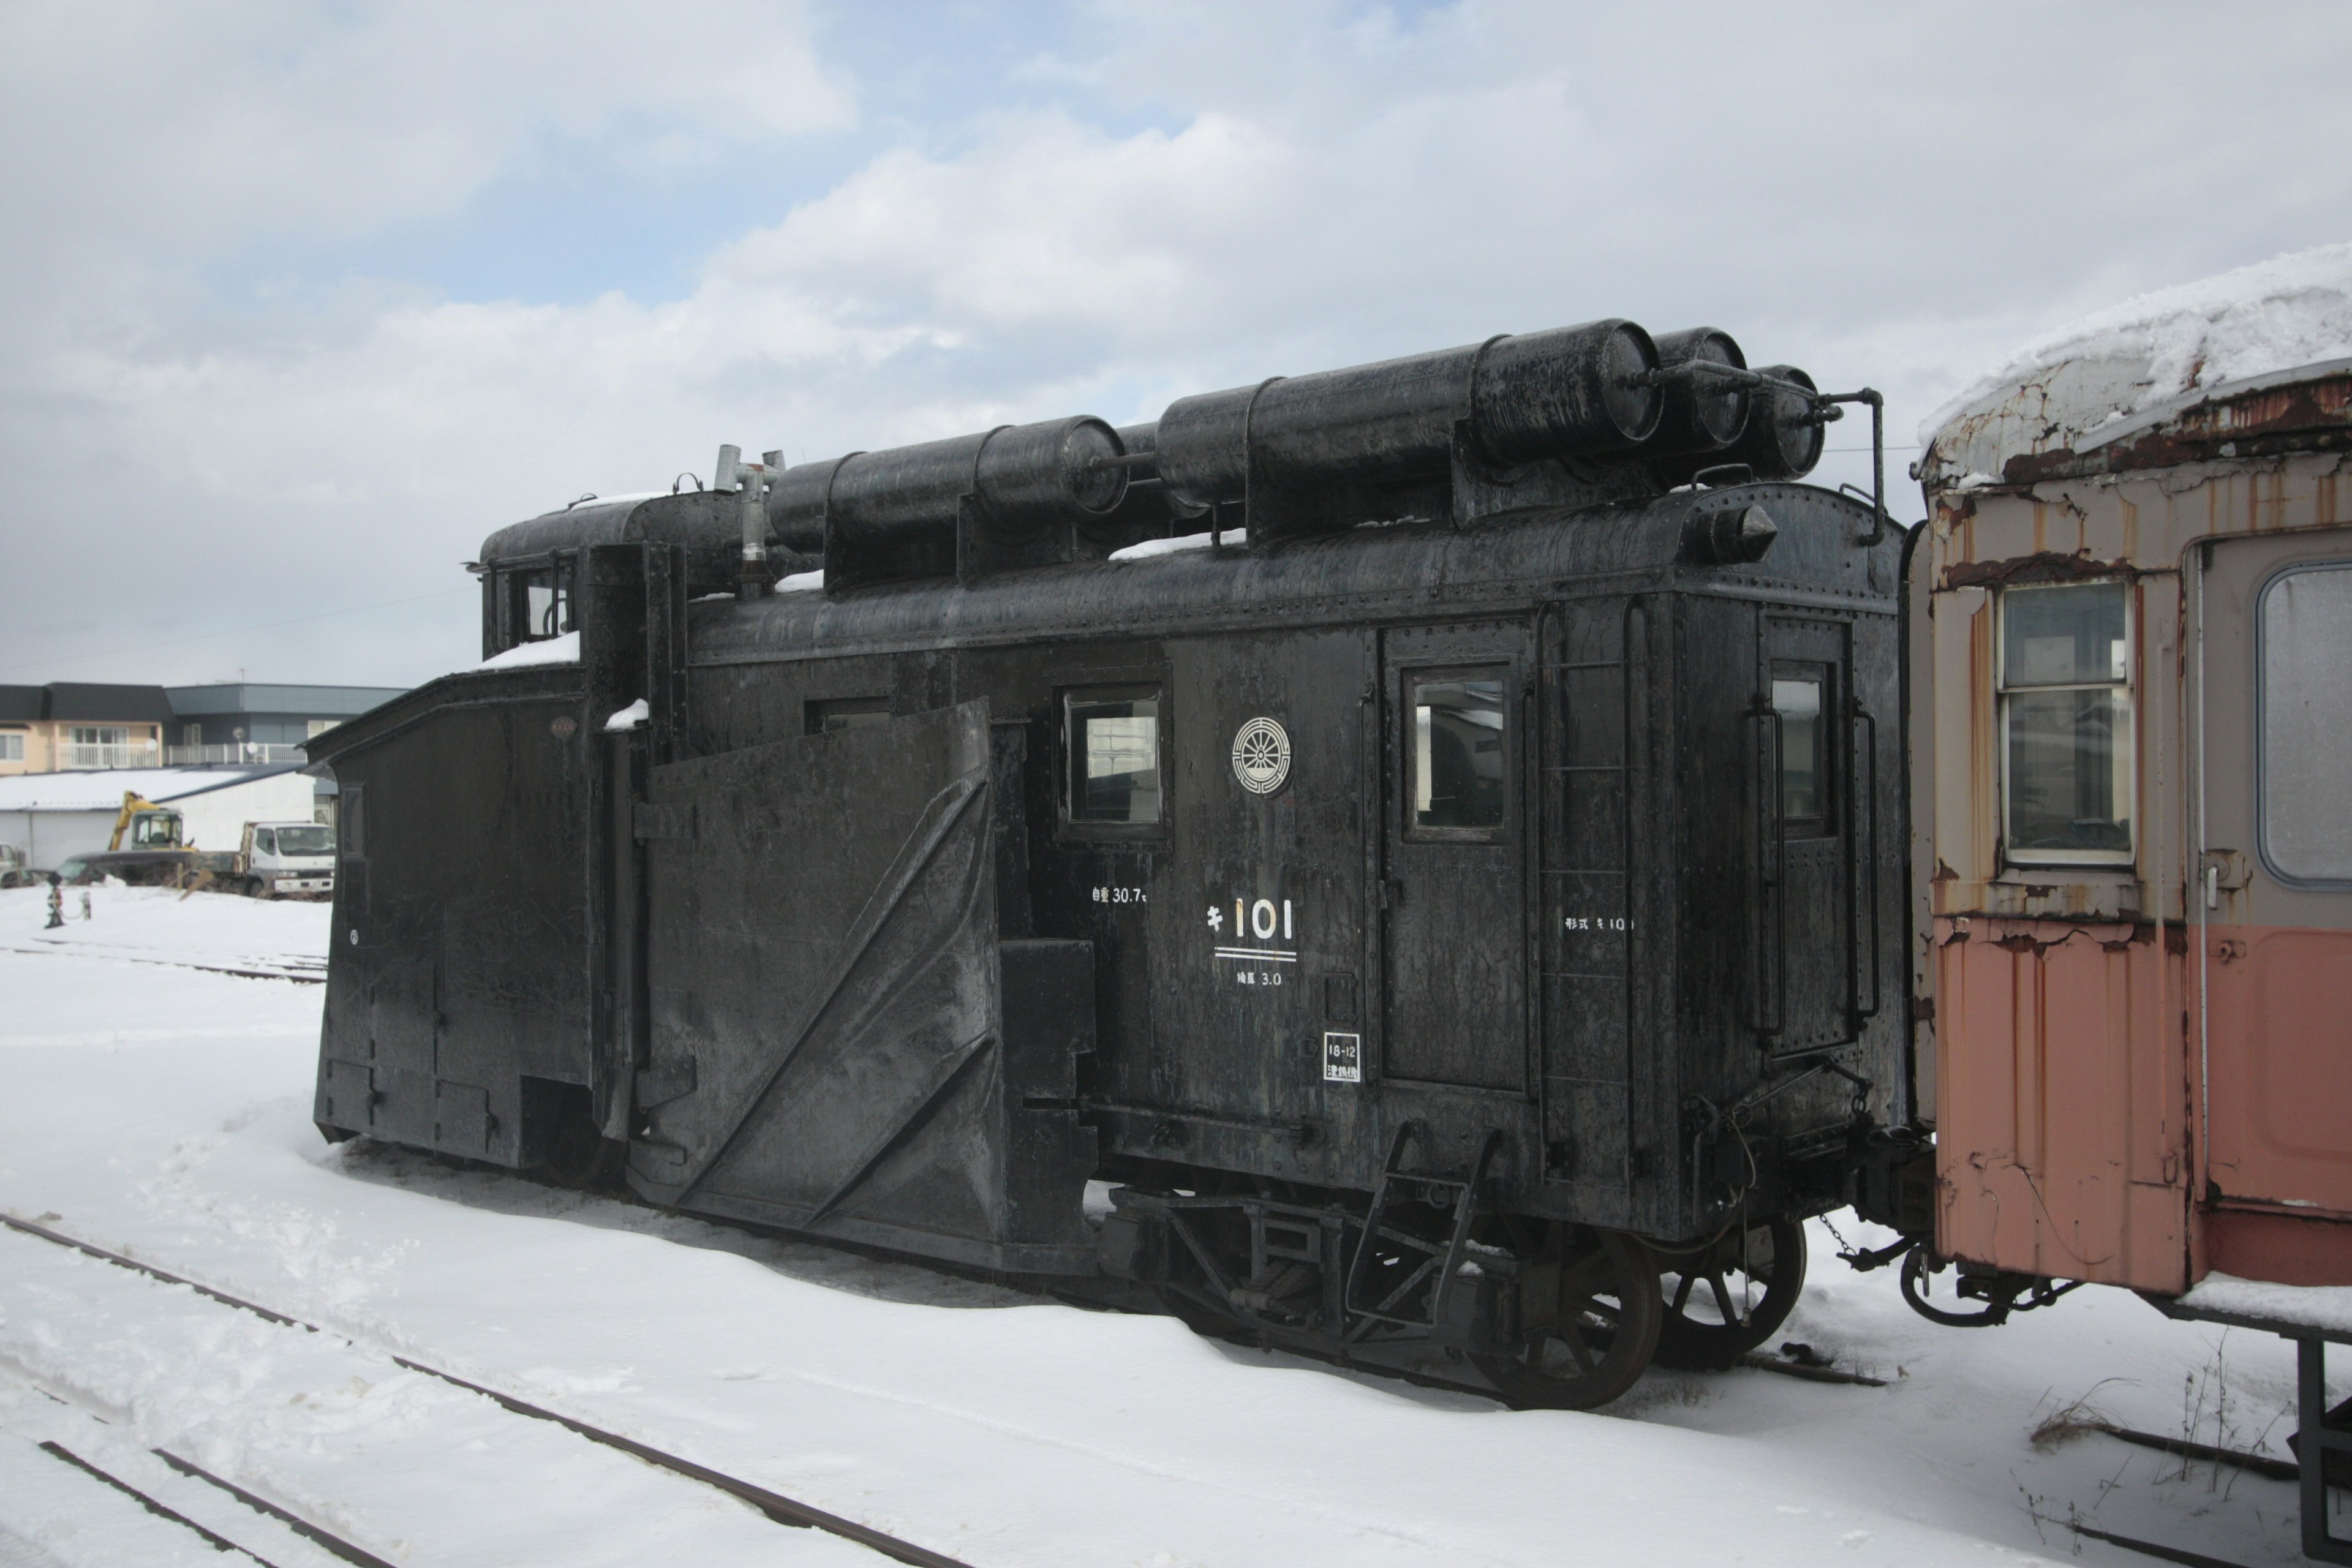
{"x": 565, "y": 649}
{"x": 2133, "y": 363}
{"x": 1151, "y": 547}
{"x": 101, "y": 789}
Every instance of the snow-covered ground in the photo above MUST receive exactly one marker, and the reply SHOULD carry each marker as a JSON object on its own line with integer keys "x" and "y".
{"x": 163, "y": 1111}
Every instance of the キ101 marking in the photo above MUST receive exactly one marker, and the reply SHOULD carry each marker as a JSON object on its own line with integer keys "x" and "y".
{"x": 1265, "y": 922}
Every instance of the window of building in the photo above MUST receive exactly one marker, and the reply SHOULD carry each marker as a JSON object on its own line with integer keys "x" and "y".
{"x": 823, "y": 716}
{"x": 1112, "y": 741}
{"x": 12, "y": 746}
{"x": 2303, "y": 630}
{"x": 101, "y": 736}
{"x": 1458, "y": 759}
{"x": 2066, "y": 724}
{"x": 192, "y": 734}
{"x": 314, "y": 728}
{"x": 1801, "y": 697}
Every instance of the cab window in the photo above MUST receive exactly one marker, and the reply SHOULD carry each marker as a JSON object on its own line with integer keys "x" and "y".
{"x": 1111, "y": 743}
{"x": 534, "y": 603}
{"x": 1455, "y": 741}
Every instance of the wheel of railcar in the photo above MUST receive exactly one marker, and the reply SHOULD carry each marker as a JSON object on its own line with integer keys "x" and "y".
{"x": 1604, "y": 1332}
{"x": 1725, "y": 1299}
{"x": 580, "y": 1156}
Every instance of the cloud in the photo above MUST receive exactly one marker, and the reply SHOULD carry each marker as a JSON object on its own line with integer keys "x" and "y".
{"x": 1199, "y": 196}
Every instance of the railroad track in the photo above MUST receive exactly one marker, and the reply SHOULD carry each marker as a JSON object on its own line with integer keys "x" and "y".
{"x": 775, "y": 1505}
{"x": 300, "y": 971}
{"x": 145, "y": 1491}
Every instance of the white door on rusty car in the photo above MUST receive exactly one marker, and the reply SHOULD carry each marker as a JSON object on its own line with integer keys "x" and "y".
{"x": 2272, "y": 889}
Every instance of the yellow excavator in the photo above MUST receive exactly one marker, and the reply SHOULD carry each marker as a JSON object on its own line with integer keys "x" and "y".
{"x": 149, "y": 826}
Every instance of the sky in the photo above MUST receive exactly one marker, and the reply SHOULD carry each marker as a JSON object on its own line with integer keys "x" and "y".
{"x": 301, "y": 299}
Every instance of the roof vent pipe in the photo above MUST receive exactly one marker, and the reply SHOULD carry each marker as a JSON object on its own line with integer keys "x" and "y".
{"x": 755, "y": 481}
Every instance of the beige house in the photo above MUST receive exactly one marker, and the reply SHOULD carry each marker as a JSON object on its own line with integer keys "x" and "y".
{"x": 75, "y": 725}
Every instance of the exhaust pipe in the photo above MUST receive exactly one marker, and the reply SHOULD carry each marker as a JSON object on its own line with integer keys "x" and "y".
{"x": 751, "y": 482}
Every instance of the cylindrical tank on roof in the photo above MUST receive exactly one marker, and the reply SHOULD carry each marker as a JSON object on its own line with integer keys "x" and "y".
{"x": 1703, "y": 413}
{"x": 1571, "y": 392}
{"x": 1022, "y": 478}
{"x": 1782, "y": 440}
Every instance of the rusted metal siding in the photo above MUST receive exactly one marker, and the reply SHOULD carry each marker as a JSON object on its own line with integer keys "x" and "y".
{"x": 2069, "y": 1026}
{"x": 2063, "y": 1112}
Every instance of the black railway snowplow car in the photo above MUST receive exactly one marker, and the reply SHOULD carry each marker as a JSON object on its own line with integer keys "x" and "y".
{"x": 1456, "y": 905}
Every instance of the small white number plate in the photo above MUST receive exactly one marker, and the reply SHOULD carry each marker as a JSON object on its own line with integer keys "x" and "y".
{"x": 1343, "y": 1057}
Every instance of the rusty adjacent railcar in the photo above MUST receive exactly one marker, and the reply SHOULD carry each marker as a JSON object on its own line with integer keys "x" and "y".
{"x": 1428, "y": 838}
{"x": 2131, "y": 705}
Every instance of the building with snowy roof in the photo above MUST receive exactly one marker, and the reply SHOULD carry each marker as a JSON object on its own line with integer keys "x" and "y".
{"x": 52, "y": 816}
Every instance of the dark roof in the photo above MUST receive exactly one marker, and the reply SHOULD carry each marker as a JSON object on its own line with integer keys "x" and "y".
{"x": 20, "y": 702}
{"x": 244, "y": 698}
{"x": 1502, "y": 564}
{"x": 80, "y": 702}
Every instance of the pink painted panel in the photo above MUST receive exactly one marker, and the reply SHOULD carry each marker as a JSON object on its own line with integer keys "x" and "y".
{"x": 2063, "y": 1101}
{"x": 2281, "y": 1115}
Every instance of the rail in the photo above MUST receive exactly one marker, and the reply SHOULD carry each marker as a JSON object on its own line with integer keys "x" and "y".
{"x": 775, "y": 1505}
{"x": 75, "y": 756}
{"x": 239, "y": 751}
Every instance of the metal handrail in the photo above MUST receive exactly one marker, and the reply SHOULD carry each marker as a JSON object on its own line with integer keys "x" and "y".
{"x": 1774, "y": 883}
{"x": 1863, "y": 716}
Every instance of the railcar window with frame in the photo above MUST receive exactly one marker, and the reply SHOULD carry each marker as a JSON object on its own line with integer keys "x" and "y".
{"x": 1457, "y": 730}
{"x": 351, "y": 823}
{"x": 2302, "y": 631}
{"x": 1801, "y": 696}
{"x": 538, "y": 603}
{"x": 1111, "y": 739}
{"x": 2065, "y": 723}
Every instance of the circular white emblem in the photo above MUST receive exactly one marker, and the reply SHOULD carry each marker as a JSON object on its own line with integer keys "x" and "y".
{"x": 1261, "y": 756}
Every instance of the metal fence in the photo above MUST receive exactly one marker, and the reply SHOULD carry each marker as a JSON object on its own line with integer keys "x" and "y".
{"x": 239, "y": 751}
{"x": 129, "y": 754}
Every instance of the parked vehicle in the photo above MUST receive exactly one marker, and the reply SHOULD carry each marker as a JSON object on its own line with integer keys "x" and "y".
{"x": 1459, "y": 900}
{"x": 283, "y": 860}
{"x": 275, "y": 861}
{"x": 145, "y": 824}
{"x": 1460, "y": 936}
{"x": 2135, "y": 777}
{"x": 136, "y": 868}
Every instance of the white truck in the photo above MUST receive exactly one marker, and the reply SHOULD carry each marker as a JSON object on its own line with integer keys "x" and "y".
{"x": 281, "y": 860}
